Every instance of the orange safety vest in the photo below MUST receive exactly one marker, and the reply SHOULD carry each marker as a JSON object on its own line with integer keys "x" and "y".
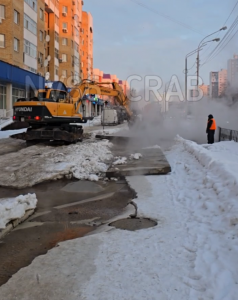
{"x": 214, "y": 126}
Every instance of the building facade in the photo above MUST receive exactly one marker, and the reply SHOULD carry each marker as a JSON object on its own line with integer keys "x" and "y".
{"x": 44, "y": 37}
{"x": 86, "y": 46}
{"x": 205, "y": 89}
{"x": 214, "y": 83}
{"x": 232, "y": 73}
{"x": 222, "y": 82}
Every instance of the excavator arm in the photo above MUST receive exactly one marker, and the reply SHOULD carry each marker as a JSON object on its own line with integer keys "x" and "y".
{"x": 92, "y": 87}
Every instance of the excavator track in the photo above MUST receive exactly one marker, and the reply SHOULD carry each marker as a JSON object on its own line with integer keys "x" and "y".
{"x": 68, "y": 134}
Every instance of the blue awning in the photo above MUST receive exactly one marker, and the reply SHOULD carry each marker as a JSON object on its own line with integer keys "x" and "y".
{"x": 19, "y": 77}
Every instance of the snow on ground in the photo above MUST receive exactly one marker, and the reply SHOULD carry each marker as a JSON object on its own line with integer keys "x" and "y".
{"x": 120, "y": 160}
{"x": 136, "y": 156}
{"x": 6, "y": 133}
{"x": 39, "y": 163}
{"x": 190, "y": 255}
{"x": 14, "y": 208}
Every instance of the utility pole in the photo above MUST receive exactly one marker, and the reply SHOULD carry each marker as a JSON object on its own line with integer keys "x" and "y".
{"x": 198, "y": 63}
{"x": 214, "y": 40}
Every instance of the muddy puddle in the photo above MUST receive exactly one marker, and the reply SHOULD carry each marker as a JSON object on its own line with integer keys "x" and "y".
{"x": 66, "y": 209}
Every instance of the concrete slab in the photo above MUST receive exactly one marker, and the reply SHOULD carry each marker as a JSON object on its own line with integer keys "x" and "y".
{"x": 152, "y": 162}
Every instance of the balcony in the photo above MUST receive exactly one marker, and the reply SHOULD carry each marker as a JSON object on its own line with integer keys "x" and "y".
{"x": 49, "y": 6}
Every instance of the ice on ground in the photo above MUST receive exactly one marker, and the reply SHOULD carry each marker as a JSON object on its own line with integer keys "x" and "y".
{"x": 7, "y": 133}
{"x": 136, "y": 156}
{"x": 191, "y": 254}
{"x": 15, "y": 208}
{"x": 39, "y": 163}
{"x": 120, "y": 161}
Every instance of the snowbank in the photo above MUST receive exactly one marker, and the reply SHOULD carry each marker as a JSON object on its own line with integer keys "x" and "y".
{"x": 15, "y": 208}
{"x": 36, "y": 164}
{"x": 6, "y": 133}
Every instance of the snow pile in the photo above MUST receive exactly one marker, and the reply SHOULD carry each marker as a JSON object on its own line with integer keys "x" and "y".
{"x": 136, "y": 156}
{"x": 97, "y": 121}
{"x": 36, "y": 164}
{"x": 222, "y": 160}
{"x": 120, "y": 161}
{"x": 15, "y": 208}
{"x": 7, "y": 133}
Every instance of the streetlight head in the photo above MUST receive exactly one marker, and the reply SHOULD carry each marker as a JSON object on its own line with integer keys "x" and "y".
{"x": 216, "y": 40}
{"x": 224, "y": 28}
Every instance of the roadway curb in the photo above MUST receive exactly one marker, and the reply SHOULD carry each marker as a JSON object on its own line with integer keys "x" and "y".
{"x": 14, "y": 223}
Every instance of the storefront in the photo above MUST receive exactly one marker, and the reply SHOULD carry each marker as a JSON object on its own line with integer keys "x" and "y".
{"x": 16, "y": 83}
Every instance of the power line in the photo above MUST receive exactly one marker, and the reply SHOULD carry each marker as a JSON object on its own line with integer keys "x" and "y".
{"x": 165, "y": 16}
{"x": 231, "y": 13}
{"x": 234, "y": 24}
{"x": 225, "y": 45}
{"x": 224, "y": 39}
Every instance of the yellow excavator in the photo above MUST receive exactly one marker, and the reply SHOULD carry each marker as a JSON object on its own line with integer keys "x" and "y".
{"x": 57, "y": 116}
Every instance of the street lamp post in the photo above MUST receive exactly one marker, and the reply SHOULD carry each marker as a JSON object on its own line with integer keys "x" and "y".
{"x": 215, "y": 40}
{"x": 186, "y": 72}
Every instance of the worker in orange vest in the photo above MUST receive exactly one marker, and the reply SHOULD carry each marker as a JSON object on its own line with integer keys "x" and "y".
{"x": 211, "y": 127}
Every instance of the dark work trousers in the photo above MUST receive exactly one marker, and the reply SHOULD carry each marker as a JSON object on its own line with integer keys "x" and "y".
{"x": 210, "y": 136}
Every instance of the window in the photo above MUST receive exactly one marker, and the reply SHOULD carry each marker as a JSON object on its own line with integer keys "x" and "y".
{"x": 2, "y": 12}
{"x": 32, "y": 4}
{"x": 41, "y": 36}
{"x": 72, "y": 44}
{"x": 40, "y": 57}
{"x": 76, "y": 47}
{"x": 72, "y": 59}
{"x": 56, "y": 37}
{"x": 64, "y": 57}
{"x": 82, "y": 42}
{"x": 3, "y": 96}
{"x": 56, "y": 20}
{"x": 65, "y": 9}
{"x": 64, "y": 73}
{"x": 76, "y": 31}
{"x": 82, "y": 31}
{"x": 56, "y": 53}
{"x": 30, "y": 49}
{"x": 65, "y": 25}
{"x": 16, "y": 94}
{"x": 16, "y": 44}
{"x": 16, "y": 17}
{"x": 2, "y": 40}
{"x": 56, "y": 71}
{"x": 29, "y": 24}
{"x": 64, "y": 41}
{"x": 41, "y": 14}
{"x": 82, "y": 64}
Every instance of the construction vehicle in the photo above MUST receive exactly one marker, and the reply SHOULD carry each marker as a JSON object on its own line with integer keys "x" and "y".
{"x": 119, "y": 112}
{"x": 55, "y": 115}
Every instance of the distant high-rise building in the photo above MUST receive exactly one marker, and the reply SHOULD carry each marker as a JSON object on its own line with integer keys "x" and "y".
{"x": 232, "y": 72}
{"x": 214, "y": 91}
{"x": 222, "y": 82}
{"x": 205, "y": 89}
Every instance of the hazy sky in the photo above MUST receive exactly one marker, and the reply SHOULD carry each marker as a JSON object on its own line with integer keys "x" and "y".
{"x": 130, "y": 39}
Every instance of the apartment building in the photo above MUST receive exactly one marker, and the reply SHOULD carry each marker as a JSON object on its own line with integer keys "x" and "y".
{"x": 222, "y": 82}
{"x": 214, "y": 83}
{"x": 69, "y": 40}
{"x": 86, "y": 46}
{"x": 20, "y": 41}
{"x": 205, "y": 89}
{"x": 232, "y": 73}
